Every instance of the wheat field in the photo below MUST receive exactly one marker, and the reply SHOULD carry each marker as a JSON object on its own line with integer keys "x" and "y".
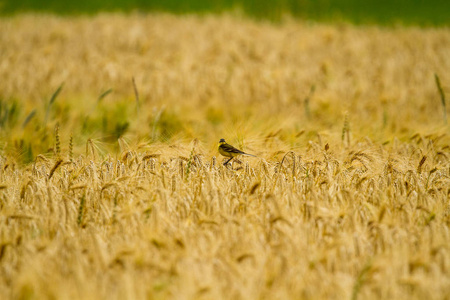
{"x": 111, "y": 186}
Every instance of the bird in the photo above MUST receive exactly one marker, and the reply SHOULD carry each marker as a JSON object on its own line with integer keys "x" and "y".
{"x": 227, "y": 150}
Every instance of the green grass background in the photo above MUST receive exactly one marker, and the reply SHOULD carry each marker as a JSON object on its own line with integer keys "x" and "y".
{"x": 420, "y": 12}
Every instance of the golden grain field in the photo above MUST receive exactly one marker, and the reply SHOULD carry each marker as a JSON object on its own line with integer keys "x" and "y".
{"x": 115, "y": 190}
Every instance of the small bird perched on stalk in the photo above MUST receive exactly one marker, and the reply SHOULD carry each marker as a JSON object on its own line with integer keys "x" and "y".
{"x": 227, "y": 150}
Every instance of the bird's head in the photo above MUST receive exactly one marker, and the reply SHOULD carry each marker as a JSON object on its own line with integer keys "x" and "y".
{"x": 222, "y": 141}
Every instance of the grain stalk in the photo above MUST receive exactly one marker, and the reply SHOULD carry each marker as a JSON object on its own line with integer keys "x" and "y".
{"x": 307, "y": 102}
{"x": 422, "y": 161}
{"x": 90, "y": 148}
{"x": 346, "y": 131}
{"x": 30, "y": 116}
{"x": 57, "y": 143}
{"x": 155, "y": 123}
{"x": 360, "y": 280}
{"x": 71, "y": 148}
{"x": 136, "y": 96}
{"x": 55, "y": 167}
{"x": 50, "y": 103}
{"x": 103, "y": 95}
{"x": 189, "y": 163}
{"x": 81, "y": 209}
{"x": 441, "y": 93}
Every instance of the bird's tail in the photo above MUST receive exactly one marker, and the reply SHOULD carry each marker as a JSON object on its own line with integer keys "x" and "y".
{"x": 249, "y": 154}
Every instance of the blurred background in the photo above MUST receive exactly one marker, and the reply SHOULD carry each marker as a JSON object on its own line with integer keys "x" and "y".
{"x": 410, "y": 12}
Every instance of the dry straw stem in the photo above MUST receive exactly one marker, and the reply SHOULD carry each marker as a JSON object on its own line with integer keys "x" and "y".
{"x": 364, "y": 220}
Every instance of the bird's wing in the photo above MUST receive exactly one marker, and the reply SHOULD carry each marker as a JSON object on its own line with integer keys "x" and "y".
{"x": 229, "y": 148}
